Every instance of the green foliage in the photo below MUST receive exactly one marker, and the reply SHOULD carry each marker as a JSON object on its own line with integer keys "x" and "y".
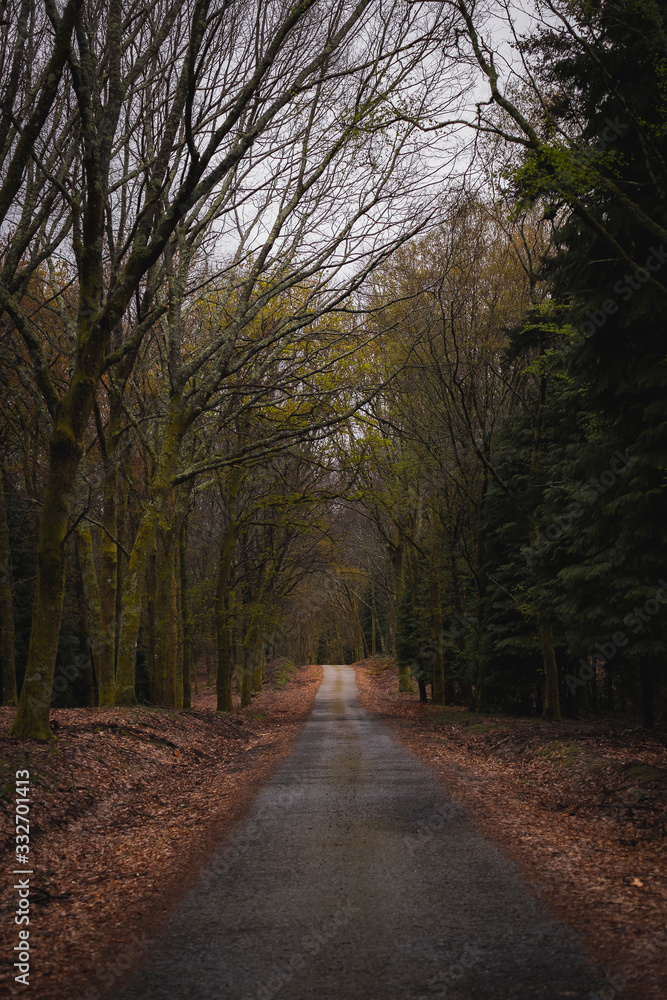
{"x": 601, "y": 518}
{"x": 414, "y": 643}
{"x": 285, "y": 673}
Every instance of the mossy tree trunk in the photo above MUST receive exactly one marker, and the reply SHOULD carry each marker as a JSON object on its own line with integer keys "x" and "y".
{"x": 254, "y": 641}
{"x": 32, "y": 717}
{"x": 86, "y": 640}
{"x": 395, "y": 597}
{"x": 224, "y": 600}
{"x": 134, "y": 581}
{"x": 373, "y": 617}
{"x": 409, "y": 563}
{"x": 106, "y": 658}
{"x": 71, "y": 413}
{"x": 150, "y": 601}
{"x": 125, "y": 536}
{"x": 118, "y": 234}
{"x": 259, "y": 661}
{"x": 9, "y": 692}
{"x": 168, "y": 665}
{"x": 184, "y": 616}
{"x": 357, "y": 631}
{"x": 245, "y": 680}
{"x": 174, "y": 662}
{"x": 166, "y": 652}
{"x": 435, "y": 608}
{"x": 459, "y": 627}
{"x": 253, "y": 656}
{"x": 479, "y": 692}
{"x": 97, "y": 638}
{"x": 404, "y": 683}
{"x": 134, "y": 585}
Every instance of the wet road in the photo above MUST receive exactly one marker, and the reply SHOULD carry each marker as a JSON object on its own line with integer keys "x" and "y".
{"x": 356, "y": 878}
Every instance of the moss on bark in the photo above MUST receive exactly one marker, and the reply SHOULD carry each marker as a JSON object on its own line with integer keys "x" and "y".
{"x": 32, "y": 717}
{"x": 9, "y": 692}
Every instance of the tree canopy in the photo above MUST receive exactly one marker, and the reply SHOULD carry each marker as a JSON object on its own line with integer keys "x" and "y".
{"x": 330, "y": 330}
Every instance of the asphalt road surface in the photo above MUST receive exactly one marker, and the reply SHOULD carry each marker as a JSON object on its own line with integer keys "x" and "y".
{"x": 356, "y": 878}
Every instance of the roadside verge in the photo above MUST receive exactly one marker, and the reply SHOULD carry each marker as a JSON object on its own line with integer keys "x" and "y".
{"x": 124, "y": 809}
{"x": 579, "y": 806}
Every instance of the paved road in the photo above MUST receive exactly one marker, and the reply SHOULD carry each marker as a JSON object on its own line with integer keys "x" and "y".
{"x": 356, "y": 878}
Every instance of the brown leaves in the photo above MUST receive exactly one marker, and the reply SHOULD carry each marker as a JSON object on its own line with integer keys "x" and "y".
{"x": 583, "y": 811}
{"x": 123, "y": 808}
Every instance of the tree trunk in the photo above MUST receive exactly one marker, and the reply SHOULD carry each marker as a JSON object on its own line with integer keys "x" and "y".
{"x": 167, "y": 681}
{"x": 479, "y": 692}
{"x": 435, "y": 603}
{"x": 372, "y": 617}
{"x": 383, "y": 645}
{"x": 257, "y": 669}
{"x": 404, "y": 683}
{"x": 609, "y": 686}
{"x": 86, "y": 654}
{"x": 459, "y": 628}
{"x": 210, "y": 665}
{"x": 259, "y": 662}
{"x": 125, "y": 537}
{"x": 360, "y": 639}
{"x": 9, "y": 692}
{"x": 246, "y": 676}
{"x": 646, "y": 681}
{"x": 225, "y": 664}
{"x": 131, "y": 603}
{"x": 134, "y": 577}
{"x": 175, "y": 665}
{"x": 593, "y": 694}
{"x": 151, "y": 597}
{"x": 160, "y": 665}
{"x": 252, "y": 658}
{"x": 32, "y": 717}
{"x": 106, "y": 658}
{"x": 551, "y": 693}
{"x": 539, "y": 697}
{"x": 184, "y": 616}
{"x": 223, "y": 609}
{"x": 97, "y": 638}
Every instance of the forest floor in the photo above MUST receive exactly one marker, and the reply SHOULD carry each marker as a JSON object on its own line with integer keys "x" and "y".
{"x": 125, "y": 806}
{"x": 580, "y": 806}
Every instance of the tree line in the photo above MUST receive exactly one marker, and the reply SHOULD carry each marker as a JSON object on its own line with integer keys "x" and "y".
{"x": 328, "y": 330}
{"x": 528, "y": 421}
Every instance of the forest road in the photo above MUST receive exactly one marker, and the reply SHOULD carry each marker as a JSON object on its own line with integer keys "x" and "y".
{"x": 356, "y": 878}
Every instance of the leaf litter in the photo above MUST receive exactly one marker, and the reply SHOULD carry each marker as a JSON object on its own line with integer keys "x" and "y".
{"x": 580, "y": 806}
{"x": 125, "y": 806}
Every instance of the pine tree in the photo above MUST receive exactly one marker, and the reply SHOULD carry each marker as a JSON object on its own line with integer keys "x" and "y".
{"x": 610, "y": 273}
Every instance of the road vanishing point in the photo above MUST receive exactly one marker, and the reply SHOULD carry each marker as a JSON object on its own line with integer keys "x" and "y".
{"x": 355, "y": 877}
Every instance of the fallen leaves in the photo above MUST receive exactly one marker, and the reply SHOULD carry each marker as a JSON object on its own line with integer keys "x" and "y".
{"x": 582, "y": 808}
{"x": 124, "y": 809}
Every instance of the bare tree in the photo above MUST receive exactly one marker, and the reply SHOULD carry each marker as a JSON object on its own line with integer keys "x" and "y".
{"x": 137, "y": 137}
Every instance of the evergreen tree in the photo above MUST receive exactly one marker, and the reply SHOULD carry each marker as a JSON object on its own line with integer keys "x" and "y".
{"x": 605, "y": 86}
